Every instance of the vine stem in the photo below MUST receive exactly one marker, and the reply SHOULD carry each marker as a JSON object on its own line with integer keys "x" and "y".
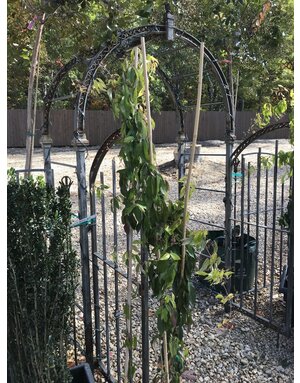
{"x": 147, "y": 95}
{"x": 129, "y": 280}
{"x": 192, "y": 154}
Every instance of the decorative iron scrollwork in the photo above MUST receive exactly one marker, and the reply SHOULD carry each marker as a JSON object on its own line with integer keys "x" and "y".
{"x": 108, "y": 143}
{"x": 66, "y": 182}
{"x": 255, "y": 136}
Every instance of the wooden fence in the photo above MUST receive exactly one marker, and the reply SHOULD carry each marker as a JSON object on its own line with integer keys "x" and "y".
{"x": 100, "y": 124}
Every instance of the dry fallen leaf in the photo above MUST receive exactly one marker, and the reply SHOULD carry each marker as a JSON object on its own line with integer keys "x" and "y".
{"x": 189, "y": 376}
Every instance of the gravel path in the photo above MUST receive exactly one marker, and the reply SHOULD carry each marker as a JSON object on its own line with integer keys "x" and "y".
{"x": 240, "y": 351}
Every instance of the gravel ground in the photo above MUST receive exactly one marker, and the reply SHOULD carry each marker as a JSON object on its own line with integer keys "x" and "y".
{"x": 240, "y": 351}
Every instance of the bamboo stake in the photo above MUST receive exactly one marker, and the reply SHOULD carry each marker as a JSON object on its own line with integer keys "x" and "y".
{"x": 136, "y": 57}
{"x": 166, "y": 357}
{"x": 129, "y": 302}
{"x": 192, "y": 154}
{"x": 147, "y": 95}
{"x": 236, "y": 92}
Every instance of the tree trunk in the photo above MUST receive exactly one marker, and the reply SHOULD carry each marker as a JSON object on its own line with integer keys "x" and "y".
{"x": 30, "y": 131}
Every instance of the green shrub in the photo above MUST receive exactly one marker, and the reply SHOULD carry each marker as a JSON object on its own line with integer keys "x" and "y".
{"x": 41, "y": 280}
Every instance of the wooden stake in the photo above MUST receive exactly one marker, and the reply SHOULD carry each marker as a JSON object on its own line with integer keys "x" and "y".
{"x": 166, "y": 361}
{"x": 147, "y": 95}
{"x": 136, "y": 57}
{"x": 192, "y": 155}
{"x": 129, "y": 303}
{"x": 236, "y": 92}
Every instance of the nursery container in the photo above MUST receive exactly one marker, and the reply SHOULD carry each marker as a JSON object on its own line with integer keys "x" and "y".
{"x": 248, "y": 254}
{"x": 82, "y": 374}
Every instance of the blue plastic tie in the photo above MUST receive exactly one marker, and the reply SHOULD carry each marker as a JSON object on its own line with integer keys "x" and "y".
{"x": 84, "y": 221}
{"x": 238, "y": 174}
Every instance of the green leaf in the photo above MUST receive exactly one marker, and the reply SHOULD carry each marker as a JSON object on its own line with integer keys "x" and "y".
{"x": 175, "y": 256}
{"x": 165, "y": 257}
{"x": 115, "y": 203}
{"x": 141, "y": 207}
{"x": 128, "y": 139}
{"x": 169, "y": 230}
{"x": 99, "y": 85}
{"x": 201, "y": 273}
{"x": 219, "y": 296}
{"x": 24, "y": 56}
{"x": 205, "y": 264}
{"x": 281, "y": 107}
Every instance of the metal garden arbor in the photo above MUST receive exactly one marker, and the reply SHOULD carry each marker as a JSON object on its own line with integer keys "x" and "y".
{"x": 98, "y": 62}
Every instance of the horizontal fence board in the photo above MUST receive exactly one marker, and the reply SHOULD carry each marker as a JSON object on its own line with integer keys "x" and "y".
{"x": 100, "y": 124}
{"x": 167, "y": 125}
{"x": 16, "y": 126}
{"x": 62, "y": 127}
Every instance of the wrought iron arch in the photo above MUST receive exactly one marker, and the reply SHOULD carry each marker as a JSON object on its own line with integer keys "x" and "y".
{"x": 129, "y": 39}
{"x": 261, "y": 132}
{"x": 50, "y": 96}
{"x": 173, "y": 94}
{"x": 107, "y": 144}
{"x": 118, "y": 48}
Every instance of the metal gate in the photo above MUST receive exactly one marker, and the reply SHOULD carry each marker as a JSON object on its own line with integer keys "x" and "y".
{"x": 111, "y": 272}
{"x": 263, "y": 249}
{"x": 261, "y": 256}
{"x": 261, "y": 246}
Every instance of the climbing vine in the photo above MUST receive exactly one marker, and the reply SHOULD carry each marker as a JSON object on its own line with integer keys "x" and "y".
{"x": 147, "y": 209}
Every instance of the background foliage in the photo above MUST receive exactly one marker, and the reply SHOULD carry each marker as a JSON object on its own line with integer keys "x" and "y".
{"x": 258, "y": 40}
{"x": 41, "y": 280}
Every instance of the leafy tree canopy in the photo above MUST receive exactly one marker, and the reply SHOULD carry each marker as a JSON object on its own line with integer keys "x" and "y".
{"x": 256, "y": 36}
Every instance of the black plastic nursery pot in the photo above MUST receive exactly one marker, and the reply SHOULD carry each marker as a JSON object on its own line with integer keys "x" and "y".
{"x": 240, "y": 257}
{"x": 82, "y": 374}
{"x": 283, "y": 288}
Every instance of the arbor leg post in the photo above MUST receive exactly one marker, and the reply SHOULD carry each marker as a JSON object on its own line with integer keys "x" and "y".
{"x": 230, "y": 137}
{"x": 84, "y": 246}
{"x": 181, "y": 158}
{"x": 46, "y": 143}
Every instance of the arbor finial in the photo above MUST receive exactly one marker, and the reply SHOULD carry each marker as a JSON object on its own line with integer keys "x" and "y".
{"x": 169, "y": 22}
